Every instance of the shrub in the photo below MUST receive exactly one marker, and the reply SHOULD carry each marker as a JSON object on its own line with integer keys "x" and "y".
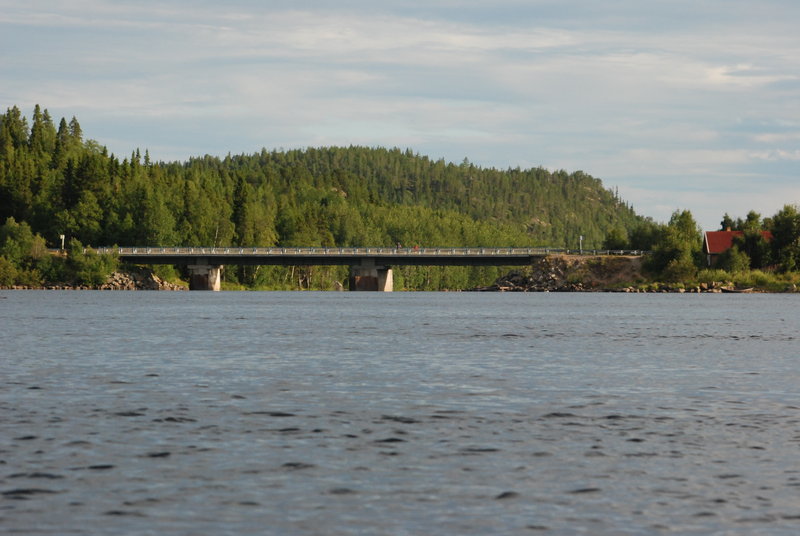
{"x": 680, "y": 269}
{"x": 734, "y": 260}
{"x": 90, "y": 268}
{"x": 8, "y": 273}
{"x": 53, "y": 269}
{"x": 757, "y": 278}
{"x": 711, "y": 275}
{"x": 29, "y": 278}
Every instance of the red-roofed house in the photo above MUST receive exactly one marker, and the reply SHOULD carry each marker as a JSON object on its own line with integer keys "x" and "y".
{"x": 717, "y": 242}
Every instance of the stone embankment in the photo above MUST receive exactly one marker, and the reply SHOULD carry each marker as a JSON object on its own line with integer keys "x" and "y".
{"x": 713, "y": 287}
{"x": 568, "y": 273}
{"x": 137, "y": 280}
{"x": 143, "y": 280}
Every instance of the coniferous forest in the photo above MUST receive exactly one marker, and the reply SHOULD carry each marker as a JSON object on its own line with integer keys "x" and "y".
{"x": 54, "y": 181}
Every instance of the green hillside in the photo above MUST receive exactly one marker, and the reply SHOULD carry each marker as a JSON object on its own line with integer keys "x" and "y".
{"x": 59, "y": 183}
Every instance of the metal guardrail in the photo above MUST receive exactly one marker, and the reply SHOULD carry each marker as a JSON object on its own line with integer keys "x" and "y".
{"x": 361, "y": 251}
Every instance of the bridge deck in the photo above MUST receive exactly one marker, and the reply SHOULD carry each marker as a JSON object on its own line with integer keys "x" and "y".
{"x": 302, "y": 256}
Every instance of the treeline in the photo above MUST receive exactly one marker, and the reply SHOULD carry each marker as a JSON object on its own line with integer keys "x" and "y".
{"x": 678, "y": 256}
{"x": 55, "y": 182}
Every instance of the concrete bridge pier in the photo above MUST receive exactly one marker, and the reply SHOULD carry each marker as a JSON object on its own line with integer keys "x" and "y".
{"x": 205, "y": 277}
{"x": 368, "y": 276}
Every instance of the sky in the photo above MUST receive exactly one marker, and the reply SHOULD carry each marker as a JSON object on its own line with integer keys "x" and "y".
{"x": 677, "y": 104}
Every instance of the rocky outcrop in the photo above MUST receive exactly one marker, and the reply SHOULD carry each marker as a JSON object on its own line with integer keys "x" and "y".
{"x": 572, "y": 273}
{"x": 140, "y": 280}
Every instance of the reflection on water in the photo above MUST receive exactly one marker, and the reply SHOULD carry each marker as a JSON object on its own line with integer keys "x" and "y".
{"x": 361, "y": 413}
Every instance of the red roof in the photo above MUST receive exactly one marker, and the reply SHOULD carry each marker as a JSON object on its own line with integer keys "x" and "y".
{"x": 720, "y": 241}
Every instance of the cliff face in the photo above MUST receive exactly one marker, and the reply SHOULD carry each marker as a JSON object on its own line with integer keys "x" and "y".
{"x": 560, "y": 273}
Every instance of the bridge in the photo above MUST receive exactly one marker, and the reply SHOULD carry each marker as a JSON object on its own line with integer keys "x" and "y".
{"x": 370, "y": 267}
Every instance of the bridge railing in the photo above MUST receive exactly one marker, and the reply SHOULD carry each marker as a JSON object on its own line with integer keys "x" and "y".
{"x": 358, "y": 251}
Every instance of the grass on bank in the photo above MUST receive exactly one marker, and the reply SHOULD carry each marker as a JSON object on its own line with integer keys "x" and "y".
{"x": 757, "y": 280}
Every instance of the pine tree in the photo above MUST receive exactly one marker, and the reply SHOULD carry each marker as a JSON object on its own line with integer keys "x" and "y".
{"x": 75, "y": 131}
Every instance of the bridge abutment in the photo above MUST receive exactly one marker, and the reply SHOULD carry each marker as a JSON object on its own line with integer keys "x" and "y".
{"x": 368, "y": 276}
{"x": 205, "y": 277}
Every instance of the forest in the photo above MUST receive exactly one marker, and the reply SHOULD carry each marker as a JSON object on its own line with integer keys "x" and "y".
{"x": 54, "y": 182}
{"x": 753, "y": 261}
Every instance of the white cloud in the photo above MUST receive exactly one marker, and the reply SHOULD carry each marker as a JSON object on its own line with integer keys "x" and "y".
{"x": 777, "y": 154}
{"x": 777, "y": 137}
{"x": 743, "y": 76}
{"x": 642, "y": 98}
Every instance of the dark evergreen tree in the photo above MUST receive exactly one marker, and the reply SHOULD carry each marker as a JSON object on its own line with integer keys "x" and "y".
{"x": 60, "y": 183}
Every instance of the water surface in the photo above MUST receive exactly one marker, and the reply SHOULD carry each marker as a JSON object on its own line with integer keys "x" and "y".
{"x": 402, "y": 413}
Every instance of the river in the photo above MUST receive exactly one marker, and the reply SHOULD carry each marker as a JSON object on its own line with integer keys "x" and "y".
{"x": 303, "y": 413}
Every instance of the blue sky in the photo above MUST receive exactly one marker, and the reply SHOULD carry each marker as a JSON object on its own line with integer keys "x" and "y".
{"x": 679, "y": 104}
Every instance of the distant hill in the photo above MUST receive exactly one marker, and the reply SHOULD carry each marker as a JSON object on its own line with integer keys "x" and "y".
{"x": 59, "y": 183}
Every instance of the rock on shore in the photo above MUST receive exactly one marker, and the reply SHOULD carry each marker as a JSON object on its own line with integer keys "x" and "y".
{"x": 140, "y": 280}
{"x": 571, "y": 273}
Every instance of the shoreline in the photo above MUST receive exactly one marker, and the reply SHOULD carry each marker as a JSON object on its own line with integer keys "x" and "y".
{"x": 663, "y": 289}
{"x": 625, "y": 274}
{"x": 140, "y": 279}
{"x": 555, "y": 273}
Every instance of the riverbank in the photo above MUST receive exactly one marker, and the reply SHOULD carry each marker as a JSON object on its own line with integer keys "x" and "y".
{"x": 139, "y": 279}
{"x": 554, "y": 273}
{"x": 572, "y": 273}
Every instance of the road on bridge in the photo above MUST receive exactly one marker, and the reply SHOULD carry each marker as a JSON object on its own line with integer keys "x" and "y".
{"x": 301, "y": 256}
